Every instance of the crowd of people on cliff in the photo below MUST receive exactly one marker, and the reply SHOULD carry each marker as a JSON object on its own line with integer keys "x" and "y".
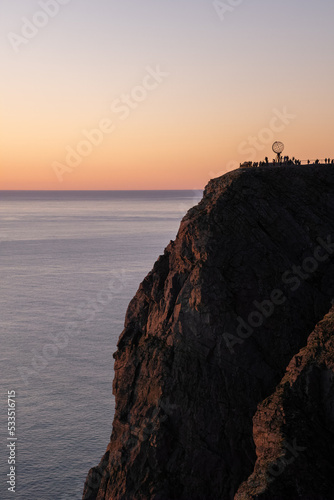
{"x": 285, "y": 161}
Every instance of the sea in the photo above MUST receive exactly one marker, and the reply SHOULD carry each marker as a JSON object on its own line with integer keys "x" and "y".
{"x": 70, "y": 262}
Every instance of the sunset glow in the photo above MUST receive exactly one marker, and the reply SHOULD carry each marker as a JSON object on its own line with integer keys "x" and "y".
{"x": 183, "y": 91}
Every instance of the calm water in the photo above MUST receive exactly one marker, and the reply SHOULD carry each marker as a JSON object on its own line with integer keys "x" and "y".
{"x": 70, "y": 263}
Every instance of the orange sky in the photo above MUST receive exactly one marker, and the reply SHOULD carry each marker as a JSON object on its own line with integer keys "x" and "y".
{"x": 178, "y": 93}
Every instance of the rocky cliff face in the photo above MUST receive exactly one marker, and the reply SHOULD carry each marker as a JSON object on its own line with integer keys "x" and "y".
{"x": 294, "y": 427}
{"x": 219, "y": 380}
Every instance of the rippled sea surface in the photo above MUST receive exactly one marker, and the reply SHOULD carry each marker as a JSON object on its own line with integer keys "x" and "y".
{"x": 70, "y": 263}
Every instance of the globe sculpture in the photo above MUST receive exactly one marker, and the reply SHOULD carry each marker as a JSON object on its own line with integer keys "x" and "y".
{"x": 278, "y": 148}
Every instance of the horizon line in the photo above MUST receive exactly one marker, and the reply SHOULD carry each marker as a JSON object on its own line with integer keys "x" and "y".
{"x": 92, "y": 190}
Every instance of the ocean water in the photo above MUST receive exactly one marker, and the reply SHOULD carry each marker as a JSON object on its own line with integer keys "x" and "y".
{"x": 70, "y": 263}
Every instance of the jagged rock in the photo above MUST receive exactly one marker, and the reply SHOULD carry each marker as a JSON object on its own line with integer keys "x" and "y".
{"x": 210, "y": 332}
{"x": 294, "y": 427}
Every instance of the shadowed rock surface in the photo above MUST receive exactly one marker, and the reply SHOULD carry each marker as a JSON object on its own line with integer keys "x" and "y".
{"x": 209, "y": 336}
{"x": 294, "y": 428}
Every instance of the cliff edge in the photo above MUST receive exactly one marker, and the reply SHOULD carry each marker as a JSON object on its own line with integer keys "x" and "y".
{"x": 222, "y": 375}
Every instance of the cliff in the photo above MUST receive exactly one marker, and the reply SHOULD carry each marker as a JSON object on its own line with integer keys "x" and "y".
{"x": 221, "y": 374}
{"x": 294, "y": 428}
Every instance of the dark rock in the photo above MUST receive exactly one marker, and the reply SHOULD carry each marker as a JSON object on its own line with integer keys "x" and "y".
{"x": 294, "y": 427}
{"x": 188, "y": 377}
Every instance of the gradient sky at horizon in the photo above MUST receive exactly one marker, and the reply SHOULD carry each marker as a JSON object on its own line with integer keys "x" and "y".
{"x": 225, "y": 79}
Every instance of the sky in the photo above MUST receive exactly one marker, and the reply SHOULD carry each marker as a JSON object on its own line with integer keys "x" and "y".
{"x": 160, "y": 94}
